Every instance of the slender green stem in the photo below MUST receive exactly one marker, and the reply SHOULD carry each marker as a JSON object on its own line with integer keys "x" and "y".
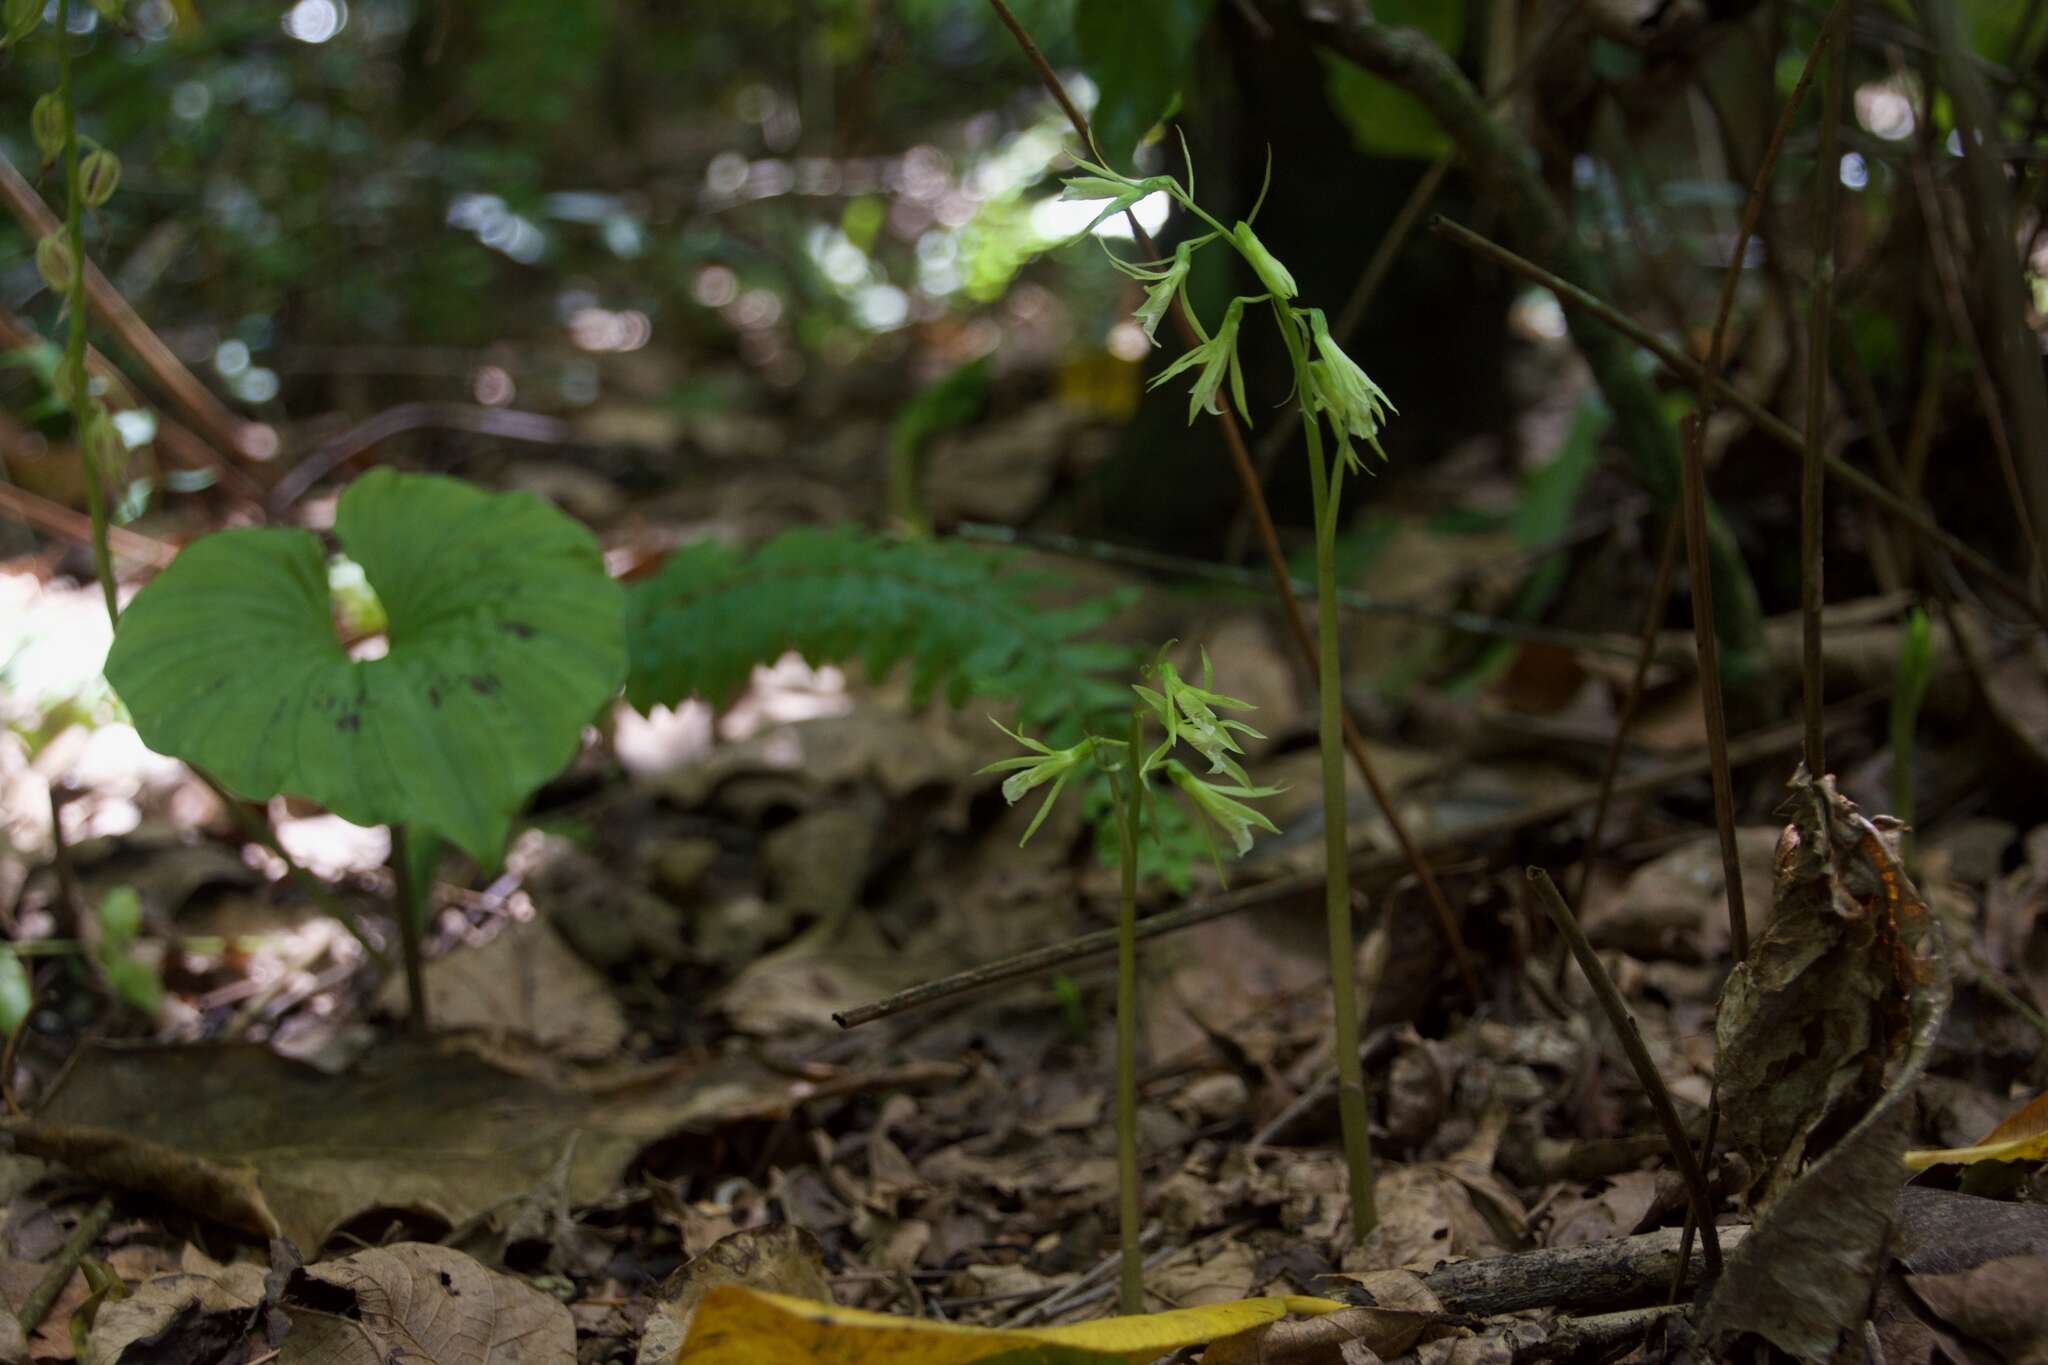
{"x": 1129, "y": 1234}
{"x": 44, "y": 1296}
{"x": 1325, "y": 484}
{"x": 72, "y": 366}
{"x": 409, "y": 917}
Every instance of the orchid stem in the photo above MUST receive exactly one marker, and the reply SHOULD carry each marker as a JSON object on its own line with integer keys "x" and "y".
{"x": 1326, "y": 483}
{"x": 1132, "y": 1282}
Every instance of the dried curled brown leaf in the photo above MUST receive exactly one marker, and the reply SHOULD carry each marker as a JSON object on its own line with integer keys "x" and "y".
{"x": 1823, "y": 1033}
{"x": 418, "y": 1302}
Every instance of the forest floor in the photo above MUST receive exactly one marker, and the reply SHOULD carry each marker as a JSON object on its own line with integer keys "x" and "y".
{"x": 634, "y": 1055}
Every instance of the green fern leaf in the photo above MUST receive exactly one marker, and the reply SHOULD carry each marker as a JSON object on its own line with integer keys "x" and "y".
{"x": 968, "y": 622}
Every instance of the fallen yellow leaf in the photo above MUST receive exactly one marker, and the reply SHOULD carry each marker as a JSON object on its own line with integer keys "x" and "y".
{"x": 740, "y": 1326}
{"x": 2022, "y": 1137}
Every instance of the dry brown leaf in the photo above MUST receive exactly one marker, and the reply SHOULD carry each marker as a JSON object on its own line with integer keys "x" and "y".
{"x": 783, "y": 1259}
{"x": 179, "y": 1319}
{"x": 1614, "y": 1207}
{"x": 527, "y": 982}
{"x": 1396, "y": 1310}
{"x": 418, "y": 1302}
{"x": 831, "y": 967}
{"x": 812, "y": 757}
{"x": 2000, "y": 1303}
{"x": 1321, "y": 1341}
{"x": 817, "y": 862}
{"x": 1811, "y": 1023}
{"x": 1676, "y": 906}
{"x": 226, "y": 1191}
{"x": 422, "y": 1125}
{"x": 1826, "y": 1027}
{"x": 1218, "y": 1272}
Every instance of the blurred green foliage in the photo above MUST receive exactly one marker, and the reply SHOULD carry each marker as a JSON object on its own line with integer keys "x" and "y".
{"x": 323, "y": 191}
{"x": 1385, "y": 120}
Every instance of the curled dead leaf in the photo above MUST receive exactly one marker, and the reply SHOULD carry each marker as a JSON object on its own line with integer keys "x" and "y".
{"x": 782, "y": 1259}
{"x": 225, "y": 1191}
{"x": 417, "y": 1301}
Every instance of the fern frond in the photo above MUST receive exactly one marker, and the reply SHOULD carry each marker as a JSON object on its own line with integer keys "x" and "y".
{"x": 967, "y": 620}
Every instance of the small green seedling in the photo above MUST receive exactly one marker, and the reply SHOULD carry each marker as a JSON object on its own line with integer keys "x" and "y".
{"x": 17, "y": 995}
{"x": 506, "y": 636}
{"x": 128, "y": 975}
{"x": 1909, "y": 691}
{"x": 1189, "y": 716}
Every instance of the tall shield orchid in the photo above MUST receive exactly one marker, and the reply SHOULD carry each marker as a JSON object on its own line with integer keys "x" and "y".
{"x": 1334, "y": 392}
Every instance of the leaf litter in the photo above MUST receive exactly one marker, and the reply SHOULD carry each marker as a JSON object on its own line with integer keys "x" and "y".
{"x": 648, "y": 1096}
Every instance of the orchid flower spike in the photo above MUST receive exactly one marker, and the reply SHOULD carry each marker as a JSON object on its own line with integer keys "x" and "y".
{"x": 1344, "y": 393}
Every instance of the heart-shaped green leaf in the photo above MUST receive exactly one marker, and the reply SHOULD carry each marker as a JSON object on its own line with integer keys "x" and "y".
{"x": 506, "y": 636}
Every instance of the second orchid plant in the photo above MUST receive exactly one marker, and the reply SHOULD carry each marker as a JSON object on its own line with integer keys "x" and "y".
{"x": 1189, "y": 715}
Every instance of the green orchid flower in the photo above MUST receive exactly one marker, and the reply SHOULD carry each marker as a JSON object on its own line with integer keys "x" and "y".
{"x": 1278, "y": 280}
{"x": 1162, "y": 283}
{"x": 1043, "y": 764}
{"x": 1344, "y": 393}
{"x": 1121, "y": 191}
{"x": 1224, "y": 807}
{"x": 1189, "y": 713}
{"x": 1217, "y": 357}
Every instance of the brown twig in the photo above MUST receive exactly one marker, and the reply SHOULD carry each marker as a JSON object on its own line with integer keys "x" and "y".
{"x": 1348, "y": 599}
{"x": 1269, "y": 540}
{"x": 1390, "y": 244}
{"x": 1638, "y": 1057}
{"x": 1945, "y": 243}
{"x": 1506, "y": 164}
{"x": 222, "y": 428}
{"x": 1042, "y": 961}
{"x": 177, "y": 442}
{"x": 1678, "y": 1275}
{"x": 67, "y": 874}
{"x": 1760, "y": 188}
{"x": 1819, "y": 313}
{"x": 1590, "y": 1275}
{"x": 1660, "y": 597}
{"x": 2015, "y": 350}
{"x": 1695, "y": 376}
{"x": 60, "y": 520}
{"x": 503, "y": 423}
{"x": 1710, "y": 681}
